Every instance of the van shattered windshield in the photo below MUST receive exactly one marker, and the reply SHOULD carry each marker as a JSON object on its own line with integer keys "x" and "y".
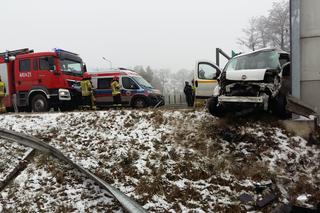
{"x": 142, "y": 82}
{"x": 259, "y": 60}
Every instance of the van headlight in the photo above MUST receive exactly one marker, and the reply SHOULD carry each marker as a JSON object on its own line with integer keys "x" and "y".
{"x": 64, "y": 95}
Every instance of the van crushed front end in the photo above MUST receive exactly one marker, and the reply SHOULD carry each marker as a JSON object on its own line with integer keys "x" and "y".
{"x": 155, "y": 98}
{"x": 249, "y": 89}
{"x": 252, "y": 81}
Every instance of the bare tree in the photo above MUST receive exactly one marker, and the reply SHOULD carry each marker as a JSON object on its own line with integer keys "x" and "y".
{"x": 251, "y": 37}
{"x": 272, "y": 30}
{"x": 279, "y": 24}
{"x": 149, "y": 74}
{"x": 262, "y": 31}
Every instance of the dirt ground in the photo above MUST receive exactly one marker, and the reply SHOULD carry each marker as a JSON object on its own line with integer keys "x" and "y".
{"x": 168, "y": 160}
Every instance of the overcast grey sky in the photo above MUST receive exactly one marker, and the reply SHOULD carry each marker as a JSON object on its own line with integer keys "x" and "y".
{"x": 163, "y": 34}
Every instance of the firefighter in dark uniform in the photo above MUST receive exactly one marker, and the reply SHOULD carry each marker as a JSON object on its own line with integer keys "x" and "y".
{"x": 87, "y": 91}
{"x": 2, "y": 95}
{"x": 116, "y": 94}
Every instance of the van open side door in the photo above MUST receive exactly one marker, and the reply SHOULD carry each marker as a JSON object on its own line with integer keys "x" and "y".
{"x": 205, "y": 79}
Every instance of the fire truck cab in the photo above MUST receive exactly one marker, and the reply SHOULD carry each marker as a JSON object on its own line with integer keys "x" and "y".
{"x": 39, "y": 81}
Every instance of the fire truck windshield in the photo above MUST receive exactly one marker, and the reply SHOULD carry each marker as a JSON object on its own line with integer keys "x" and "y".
{"x": 71, "y": 67}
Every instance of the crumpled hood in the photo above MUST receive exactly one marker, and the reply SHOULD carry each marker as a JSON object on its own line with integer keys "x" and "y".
{"x": 154, "y": 91}
{"x": 246, "y": 75}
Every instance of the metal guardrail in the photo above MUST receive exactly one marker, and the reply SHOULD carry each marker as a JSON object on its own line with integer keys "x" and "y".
{"x": 126, "y": 202}
{"x": 175, "y": 99}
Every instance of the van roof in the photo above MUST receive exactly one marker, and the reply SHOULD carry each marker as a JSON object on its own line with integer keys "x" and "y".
{"x": 113, "y": 73}
{"x": 267, "y": 49}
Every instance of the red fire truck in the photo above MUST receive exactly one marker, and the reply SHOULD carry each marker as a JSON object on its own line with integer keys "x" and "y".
{"x": 40, "y": 81}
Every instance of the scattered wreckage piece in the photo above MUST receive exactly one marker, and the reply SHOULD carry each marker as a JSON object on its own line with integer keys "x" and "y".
{"x": 267, "y": 199}
{"x": 129, "y": 204}
{"x": 265, "y": 194}
{"x": 246, "y": 198}
{"x": 289, "y": 208}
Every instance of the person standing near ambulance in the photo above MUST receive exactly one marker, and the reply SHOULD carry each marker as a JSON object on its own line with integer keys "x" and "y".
{"x": 2, "y": 95}
{"x": 87, "y": 91}
{"x": 116, "y": 94}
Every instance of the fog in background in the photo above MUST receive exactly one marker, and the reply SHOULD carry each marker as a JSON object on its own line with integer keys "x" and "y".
{"x": 166, "y": 34}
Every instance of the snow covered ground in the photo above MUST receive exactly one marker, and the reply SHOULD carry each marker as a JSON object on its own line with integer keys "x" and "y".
{"x": 166, "y": 160}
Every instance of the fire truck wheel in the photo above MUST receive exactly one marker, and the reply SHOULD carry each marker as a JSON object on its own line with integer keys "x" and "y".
{"x": 39, "y": 103}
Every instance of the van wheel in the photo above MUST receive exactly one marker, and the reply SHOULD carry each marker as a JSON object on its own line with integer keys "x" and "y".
{"x": 39, "y": 103}
{"x": 140, "y": 103}
{"x": 213, "y": 108}
{"x": 279, "y": 107}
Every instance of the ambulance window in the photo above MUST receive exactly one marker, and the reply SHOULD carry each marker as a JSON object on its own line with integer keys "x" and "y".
{"x": 104, "y": 83}
{"x": 128, "y": 83}
{"x": 24, "y": 65}
{"x": 35, "y": 64}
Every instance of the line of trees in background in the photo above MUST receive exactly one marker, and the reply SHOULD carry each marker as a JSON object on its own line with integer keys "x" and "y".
{"x": 271, "y": 30}
{"x": 164, "y": 80}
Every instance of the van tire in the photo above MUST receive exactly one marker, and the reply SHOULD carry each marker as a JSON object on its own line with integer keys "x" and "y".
{"x": 279, "y": 107}
{"x": 140, "y": 103}
{"x": 213, "y": 108}
{"x": 39, "y": 103}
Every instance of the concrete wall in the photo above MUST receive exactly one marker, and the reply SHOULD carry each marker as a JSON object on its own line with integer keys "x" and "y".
{"x": 310, "y": 52}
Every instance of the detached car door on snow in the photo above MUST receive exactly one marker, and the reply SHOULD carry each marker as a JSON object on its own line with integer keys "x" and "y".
{"x": 206, "y": 79}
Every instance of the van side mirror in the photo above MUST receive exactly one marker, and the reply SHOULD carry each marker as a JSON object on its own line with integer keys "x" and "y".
{"x": 196, "y": 83}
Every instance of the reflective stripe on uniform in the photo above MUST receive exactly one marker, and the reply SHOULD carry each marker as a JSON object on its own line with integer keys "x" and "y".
{"x": 115, "y": 86}
{"x": 2, "y": 89}
{"x": 85, "y": 87}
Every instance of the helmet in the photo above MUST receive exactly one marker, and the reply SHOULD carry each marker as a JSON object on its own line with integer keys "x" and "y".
{"x": 86, "y": 75}
{"x": 116, "y": 78}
